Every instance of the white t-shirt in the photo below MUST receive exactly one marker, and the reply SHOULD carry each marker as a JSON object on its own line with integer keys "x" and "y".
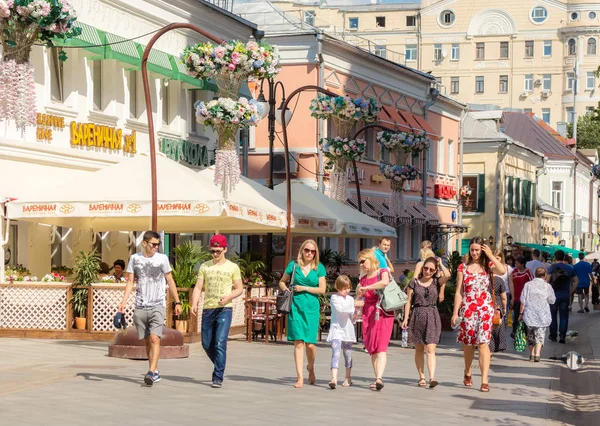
{"x": 532, "y": 265}
{"x": 342, "y": 327}
{"x": 505, "y": 276}
{"x": 150, "y": 287}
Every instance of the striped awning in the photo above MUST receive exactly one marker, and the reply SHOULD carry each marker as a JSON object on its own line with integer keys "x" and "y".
{"x": 122, "y": 50}
{"x": 429, "y": 216}
{"x": 90, "y": 39}
{"x": 417, "y": 217}
{"x": 353, "y": 202}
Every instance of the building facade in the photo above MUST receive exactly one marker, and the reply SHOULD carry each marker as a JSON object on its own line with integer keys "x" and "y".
{"x": 537, "y": 55}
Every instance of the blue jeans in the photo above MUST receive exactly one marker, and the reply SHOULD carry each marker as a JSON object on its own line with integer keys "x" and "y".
{"x": 560, "y": 307}
{"x": 215, "y": 330}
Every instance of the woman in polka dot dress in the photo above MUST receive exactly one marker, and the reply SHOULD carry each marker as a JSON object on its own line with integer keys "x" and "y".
{"x": 475, "y": 302}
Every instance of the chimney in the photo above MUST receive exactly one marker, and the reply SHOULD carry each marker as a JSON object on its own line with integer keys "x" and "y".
{"x": 561, "y": 128}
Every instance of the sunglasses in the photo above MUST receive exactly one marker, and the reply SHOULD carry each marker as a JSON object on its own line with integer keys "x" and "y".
{"x": 425, "y": 268}
{"x": 362, "y": 261}
{"x": 154, "y": 245}
{"x": 307, "y": 250}
{"x": 215, "y": 251}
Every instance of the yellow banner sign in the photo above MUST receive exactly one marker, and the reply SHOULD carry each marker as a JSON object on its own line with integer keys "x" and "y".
{"x": 96, "y": 135}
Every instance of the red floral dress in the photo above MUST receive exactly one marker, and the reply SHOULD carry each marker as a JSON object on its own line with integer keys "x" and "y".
{"x": 477, "y": 309}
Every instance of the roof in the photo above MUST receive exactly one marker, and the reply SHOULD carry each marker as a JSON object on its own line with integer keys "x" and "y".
{"x": 226, "y": 12}
{"x": 487, "y": 115}
{"x": 550, "y": 129}
{"x": 525, "y": 129}
{"x": 547, "y": 207}
{"x": 475, "y": 130}
{"x": 583, "y": 159}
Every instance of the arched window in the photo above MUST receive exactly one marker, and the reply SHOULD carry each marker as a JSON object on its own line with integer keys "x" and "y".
{"x": 591, "y": 46}
{"x": 572, "y": 46}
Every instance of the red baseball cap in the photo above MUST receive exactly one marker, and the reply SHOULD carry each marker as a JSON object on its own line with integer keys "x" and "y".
{"x": 218, "y": 241}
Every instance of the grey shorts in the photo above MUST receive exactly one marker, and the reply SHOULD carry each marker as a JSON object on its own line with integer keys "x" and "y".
{"x": 149, "y": 321}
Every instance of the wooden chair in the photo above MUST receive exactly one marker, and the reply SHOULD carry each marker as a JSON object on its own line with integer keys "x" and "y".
{"x": 262, "y": 310}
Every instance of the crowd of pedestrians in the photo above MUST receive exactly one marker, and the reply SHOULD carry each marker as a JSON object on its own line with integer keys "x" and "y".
{"x": 539, "y": 294}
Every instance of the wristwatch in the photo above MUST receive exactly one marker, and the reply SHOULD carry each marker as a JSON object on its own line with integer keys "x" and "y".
{"x": 176, "y": 303}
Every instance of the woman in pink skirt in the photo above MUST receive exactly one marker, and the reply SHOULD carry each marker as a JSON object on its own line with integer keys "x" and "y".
{"x": 377, "y": 325}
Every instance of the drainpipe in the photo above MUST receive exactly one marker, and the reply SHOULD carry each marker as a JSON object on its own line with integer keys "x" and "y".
{"x": 538, "y": 173}
{"x": 501, "y": 155}
{"x": 433, "y": 93}
{"x": 463, "y": 115}
{"x": 419, "y": 41}
{"x": 320, "y": 123}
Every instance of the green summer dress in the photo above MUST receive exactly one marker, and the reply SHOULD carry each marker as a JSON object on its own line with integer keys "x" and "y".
{"x": 304, "y": 317}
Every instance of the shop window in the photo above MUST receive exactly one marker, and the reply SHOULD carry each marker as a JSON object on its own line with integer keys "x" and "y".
{"x": 504, "y": 49}
{"x": 401, "y": 243}
{"x": 476, "y": 201}
{"x": 56, "y": 75}
{"x": 97, "y": 85}
{"x": 380, "y": 21}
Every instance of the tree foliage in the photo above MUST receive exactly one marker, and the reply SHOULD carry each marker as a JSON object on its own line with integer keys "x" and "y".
{"x": 588, "y": 130}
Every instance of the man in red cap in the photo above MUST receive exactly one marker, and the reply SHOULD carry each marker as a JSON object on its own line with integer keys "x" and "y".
{"x": 221, "y": 281}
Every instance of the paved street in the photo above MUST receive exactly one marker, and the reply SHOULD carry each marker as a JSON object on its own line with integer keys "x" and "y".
{"x": 46, "y": 382}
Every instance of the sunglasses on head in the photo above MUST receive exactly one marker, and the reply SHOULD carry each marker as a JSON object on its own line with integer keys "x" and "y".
{"x": 307, "y": 250}
{"x": 213, "y": 251}
{"x": 362, "y": 261}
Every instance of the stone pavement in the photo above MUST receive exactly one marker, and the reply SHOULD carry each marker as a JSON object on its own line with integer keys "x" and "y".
{"x": 49, "y": 382}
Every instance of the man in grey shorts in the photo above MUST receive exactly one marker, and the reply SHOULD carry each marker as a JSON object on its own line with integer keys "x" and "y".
{"x": 150, "y": 269}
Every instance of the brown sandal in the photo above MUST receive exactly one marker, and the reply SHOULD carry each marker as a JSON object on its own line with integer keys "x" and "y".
{"x": 468, "y": 381}
{"x": 485, "y": 387}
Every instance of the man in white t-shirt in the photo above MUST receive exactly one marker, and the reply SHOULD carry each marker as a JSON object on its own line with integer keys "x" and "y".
{"x": 535, "y": 263}
{"x": 149, "y": 270}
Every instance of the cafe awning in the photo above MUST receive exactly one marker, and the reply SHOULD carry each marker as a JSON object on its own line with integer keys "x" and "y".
{"x": 567, "y": 250}
{"x": 405, "y": 120}
{"x": 547, "y": 249}
{"x": 429, "y": 216}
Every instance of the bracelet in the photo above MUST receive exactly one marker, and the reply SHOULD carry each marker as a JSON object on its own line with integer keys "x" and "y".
{"x": 177, "y": 303}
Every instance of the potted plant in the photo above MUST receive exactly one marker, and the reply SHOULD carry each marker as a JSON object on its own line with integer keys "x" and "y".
{"x": 85, "y": 273}
{"x": 181, "y": 324}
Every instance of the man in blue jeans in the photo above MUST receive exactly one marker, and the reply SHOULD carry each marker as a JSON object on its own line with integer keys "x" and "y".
{"x": 561, "y": 276}
{"x": 222, "y": 282}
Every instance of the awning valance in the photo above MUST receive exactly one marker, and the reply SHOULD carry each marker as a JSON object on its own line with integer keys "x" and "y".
{"x": 353, "y": 202}
{"x": 418, "y": 217}
{"x": 405, "y": 121}
{"x": 429, "y": 216}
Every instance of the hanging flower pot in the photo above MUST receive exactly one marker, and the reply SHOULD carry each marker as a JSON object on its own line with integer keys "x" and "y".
{"x": 398, "y": 175}
{"x": 465, "y": 191}
{"x": 401, "y": 143}
{"x": 340, "y": 152}
{"x": 226, "y": 116}
{"x": 22, "y": 24}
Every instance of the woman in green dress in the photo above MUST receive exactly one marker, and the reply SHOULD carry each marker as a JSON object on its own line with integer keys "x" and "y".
{"x": 304, "y": 317}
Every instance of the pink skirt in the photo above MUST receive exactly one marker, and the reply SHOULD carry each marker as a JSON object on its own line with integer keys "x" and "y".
{"x": 376, "y": 333}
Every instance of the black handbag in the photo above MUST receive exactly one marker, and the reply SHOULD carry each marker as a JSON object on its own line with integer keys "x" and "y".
{"x": 284, "y": 297}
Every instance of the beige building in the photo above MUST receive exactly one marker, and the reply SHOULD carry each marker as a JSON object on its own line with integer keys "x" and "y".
{"x": 524, "y": 54}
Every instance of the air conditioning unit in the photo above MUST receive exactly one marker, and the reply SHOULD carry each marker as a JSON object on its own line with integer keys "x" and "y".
{"x": 524, "y": 94}
{"x": 352, "y": 177}
{"x": 538, "y": 82}
{"x": 279, "y": 163}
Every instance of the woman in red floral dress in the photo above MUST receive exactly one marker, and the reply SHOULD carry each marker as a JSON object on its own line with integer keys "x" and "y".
{"x": 475, "y": 302}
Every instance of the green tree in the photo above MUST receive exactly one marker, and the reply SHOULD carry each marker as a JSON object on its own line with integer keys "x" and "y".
{"x": 588, "y": 130}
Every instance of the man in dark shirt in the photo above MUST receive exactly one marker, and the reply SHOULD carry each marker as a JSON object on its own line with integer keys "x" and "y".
{"x": 584, "y": 275}
{"x": 561, "y": 276}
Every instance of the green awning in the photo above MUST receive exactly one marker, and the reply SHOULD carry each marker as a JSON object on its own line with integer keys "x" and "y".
{"x": 567, "y": 250}
{"x": 123, "y": 50}
{"x": 547, "y": 249}
{"x": 90, "y": 39}
{"x": 185, "y": 78}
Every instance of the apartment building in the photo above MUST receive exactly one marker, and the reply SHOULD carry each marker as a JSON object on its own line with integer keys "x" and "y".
{"x": 538, "y": 55}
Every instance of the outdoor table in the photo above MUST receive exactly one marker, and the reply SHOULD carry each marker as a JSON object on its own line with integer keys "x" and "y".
{"x": 262, "y": 309}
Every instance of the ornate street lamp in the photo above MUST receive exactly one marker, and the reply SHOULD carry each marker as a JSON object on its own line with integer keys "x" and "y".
{"x": 562, "y": 243}
{"x": 509, "y": 240}
{"x": 544, "y": 241}
{"x": 491, "y": 239}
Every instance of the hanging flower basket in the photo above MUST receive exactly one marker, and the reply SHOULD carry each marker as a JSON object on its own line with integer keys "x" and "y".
{"x": 231, "y": 63}
{"x": 401, "y": 143}
{"x": 345, "y": 108}
{"x": 22, "y": 24}
{"x": 226, "y": 116}
{"x": 340, "y": 152}
{"x": 465, "y": 191}
{"x": 398, "y": 175}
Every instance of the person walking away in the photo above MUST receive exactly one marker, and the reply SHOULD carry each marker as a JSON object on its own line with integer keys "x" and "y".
{"x": 341, "y": 329}
{"x": 305, "y": 315}
{"x": 520, "y": 276}
{"x": 377, "y": 324}
{"x": 561, "y": 277}
{"x": 221, "y": 281}
{"x": 536, "y": 299}
{"x": 149, "y": 270}
{"x": 583, "y": 270}
{"x": 381, "y": 252}
{"x": 475, "y": 302}
{"x": 425, "y": 326}
{"x": 498, "y": 340}
{"x": 535, "y": 262}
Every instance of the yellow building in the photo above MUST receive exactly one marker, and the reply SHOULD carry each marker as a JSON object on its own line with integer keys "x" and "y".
{"x": 503, "y": 176}
{"x": 523, "y": 54}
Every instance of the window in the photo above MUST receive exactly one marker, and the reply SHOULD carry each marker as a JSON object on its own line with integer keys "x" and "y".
{"x": 591, "y": 46}
{"x": 411, "y": 21}
{"x": 572, "y": 47}
{"x": 592, "y": 15}
{"x": 415, "y": 242}
{"x": 455, "y": 52}
{"x": 590, "y": 80}
{"x": 309, "y": 17}
{"x": 528, "y": 82}
{"x": 331, "y": 243}
{"x": 401, "y": 243}
{"x": 195, "y": 96}
{"x": 166, "y": 118}
{"x": 504, "y": 49}
{"x": 546, "y": 115}
{"x": 503, "y": 84}
{"x": 480, "y": 51}
{"x": 353, "y": 23}
{"x": 570, "y": 115}
{"x": 381, "y": 50}
{"x": 440, "y": 156}
{"x": 570, "y": 80}
{"x": 437, "y": 52}
{"x": 451, "y": 157}
{"x": 479, "y": 84}
{"x": 454, "y": 84}
{"x": 132, "y": 81}
{"x": 447, "y": 18}
{"x": 547, "y": 47}
{"x": 370, "y": 139}
{"x": 574, "y": 16}
{"x": 410, "y": 52}
{"x": 529, "y": 49}
{"x": 351, "y": 248}
{"x": 385, "y": 155}
{"x": 97, "y": 84}
{"x": 476, "y": 201}
{"x": 539, "y": 14}
{"x": 547, "y": 82}
{"x": 557, "y": 195}
{"x": 56, "y": 75}
{"x": 380, "y": 21}
{"x": 430, "y": 165}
